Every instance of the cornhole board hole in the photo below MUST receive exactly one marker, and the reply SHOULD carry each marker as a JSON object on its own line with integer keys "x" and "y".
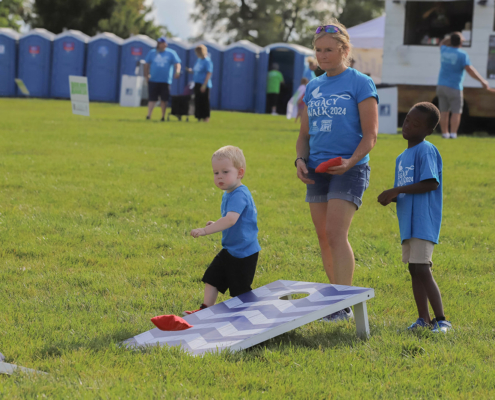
{"x": 259, "y": 315}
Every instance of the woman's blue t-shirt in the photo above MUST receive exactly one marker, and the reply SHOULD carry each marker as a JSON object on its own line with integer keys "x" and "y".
{"x": 333, "y": 113}
{"x": 201, "y": 68}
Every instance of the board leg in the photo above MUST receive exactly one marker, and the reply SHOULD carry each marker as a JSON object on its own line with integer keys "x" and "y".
{"x": 361, "y": 318}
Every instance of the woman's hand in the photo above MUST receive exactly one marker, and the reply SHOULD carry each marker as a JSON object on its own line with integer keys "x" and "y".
{"x": 302, "y": 173}
{"x": 203, "y": 88}
{"x": 209, "y": 223}
{"x": 189, "y": 70}
{"x": 342, "y": 168}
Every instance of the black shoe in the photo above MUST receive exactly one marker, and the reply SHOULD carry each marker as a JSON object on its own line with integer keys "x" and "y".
{"x": 147, "y": 117}
{"x": 163, "y": 119}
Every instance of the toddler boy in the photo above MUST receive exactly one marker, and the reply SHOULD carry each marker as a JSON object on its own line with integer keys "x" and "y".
{"x": 234, "y": 267}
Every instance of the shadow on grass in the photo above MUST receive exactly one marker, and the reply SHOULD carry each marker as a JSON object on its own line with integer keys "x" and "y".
{"x": 102, "y": 342}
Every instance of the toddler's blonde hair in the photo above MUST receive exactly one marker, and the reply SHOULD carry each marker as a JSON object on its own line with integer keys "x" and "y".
{"x": 232, "y": 153}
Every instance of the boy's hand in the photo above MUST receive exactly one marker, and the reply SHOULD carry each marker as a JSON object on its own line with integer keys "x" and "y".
{"x": 387, "y": 196}
{"x": 198, "y": 232}
{"x": 209, "y": 223}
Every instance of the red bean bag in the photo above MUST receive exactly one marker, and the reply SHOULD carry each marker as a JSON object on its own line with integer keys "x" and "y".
{"x": 170, "y": 323}
{"x": 333, "y": 162}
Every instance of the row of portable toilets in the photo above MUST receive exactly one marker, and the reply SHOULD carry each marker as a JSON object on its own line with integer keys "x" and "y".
{"x": 44, "y": 61}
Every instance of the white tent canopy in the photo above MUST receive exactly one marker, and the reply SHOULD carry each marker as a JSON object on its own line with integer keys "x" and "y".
{"x": 368, "y": 35}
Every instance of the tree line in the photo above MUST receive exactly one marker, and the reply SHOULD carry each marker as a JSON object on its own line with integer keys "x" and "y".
{"x": 260, "y": 21}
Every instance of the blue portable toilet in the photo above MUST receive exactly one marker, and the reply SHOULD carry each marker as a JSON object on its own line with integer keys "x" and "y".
{"x": 8, "y": 61}
{"x": 291, "y": 59}
{"x": 215, "y": 52}
{"x": 134, "y": 49}
{"x": 103, "y": 66}
{"x": 182, "y": 49}
{"x": 240, "y": 62}
{"x": 35, "y": 55}
{"x": 69, "y": 53}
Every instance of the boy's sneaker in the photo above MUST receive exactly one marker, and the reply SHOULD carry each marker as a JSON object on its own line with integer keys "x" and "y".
{"x": 446, "y": 135}
{"x": 342, "y": 315}
{"x": 453, "y": 135}
{"x": 203, "y": 306}
{"x": 441, "y": 327}
{"x": 420, "y": 323}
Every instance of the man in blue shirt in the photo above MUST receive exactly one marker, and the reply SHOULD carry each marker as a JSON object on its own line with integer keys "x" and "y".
{"x": 158, "y": 72}
{"x": 454, "y": 62}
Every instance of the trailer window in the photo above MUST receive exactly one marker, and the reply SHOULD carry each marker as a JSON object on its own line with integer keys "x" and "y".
{"x": 428, "y": 22}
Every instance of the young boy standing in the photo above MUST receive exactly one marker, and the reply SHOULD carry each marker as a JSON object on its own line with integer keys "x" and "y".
{"x": 418, "y": 193}
{"x": 234, "y": 267}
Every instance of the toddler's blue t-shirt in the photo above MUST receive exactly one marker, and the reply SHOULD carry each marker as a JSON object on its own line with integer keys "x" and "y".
{"x": 420, "y": 215}
{"x": 453, "y": 62}
{"x": 161, "y": 65}
{"x": 241, "y": 240}
{"x": 201, "y": 68}
{"x": 334, "y": 123}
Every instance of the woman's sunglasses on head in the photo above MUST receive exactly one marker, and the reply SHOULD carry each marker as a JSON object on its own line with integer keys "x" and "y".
{"x": 327, "y": 29}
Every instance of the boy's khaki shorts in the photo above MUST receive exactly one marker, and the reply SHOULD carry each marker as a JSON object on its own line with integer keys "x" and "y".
{"x": 417, "y": 251}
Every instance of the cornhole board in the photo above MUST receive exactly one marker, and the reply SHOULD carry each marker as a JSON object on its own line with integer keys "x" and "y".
{"x": 259, "y": 315}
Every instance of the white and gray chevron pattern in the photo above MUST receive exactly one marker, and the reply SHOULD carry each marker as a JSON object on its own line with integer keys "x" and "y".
{"x": 256, "y": 316}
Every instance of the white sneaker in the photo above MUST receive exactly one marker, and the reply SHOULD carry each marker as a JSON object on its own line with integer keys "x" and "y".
{"x": 446, "y": 135}
{"x": 274, "y": 113}
{"x": 453, "y": 135}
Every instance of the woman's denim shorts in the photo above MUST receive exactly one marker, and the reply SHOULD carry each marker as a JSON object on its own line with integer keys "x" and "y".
{"x": 350, "y": 186}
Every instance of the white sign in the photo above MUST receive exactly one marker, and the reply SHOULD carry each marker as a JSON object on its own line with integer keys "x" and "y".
{"x": 130, "y": 91}
{"x": 79, "y": 95}
{"x": 388, "y": 110}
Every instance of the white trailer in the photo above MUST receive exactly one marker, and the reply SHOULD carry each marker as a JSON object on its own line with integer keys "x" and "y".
{"x": 411, "y": 56}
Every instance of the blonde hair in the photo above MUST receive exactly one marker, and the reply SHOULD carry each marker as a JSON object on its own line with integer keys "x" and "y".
{"x": 342, "y": 37}
{"x": 201, "y": 49}
{"x": 232, "y": 153}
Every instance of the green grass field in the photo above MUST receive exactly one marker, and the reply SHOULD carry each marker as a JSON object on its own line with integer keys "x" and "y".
{"x": 95, "y": 215}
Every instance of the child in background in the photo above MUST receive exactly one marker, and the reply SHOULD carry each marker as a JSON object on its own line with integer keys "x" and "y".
{"x": 295, "y": 106}
{"x": 234, "y": 267}
{"x": 418, "y": 193}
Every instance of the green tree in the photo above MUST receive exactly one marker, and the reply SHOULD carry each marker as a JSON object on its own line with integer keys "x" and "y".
{"x": 11, "y": 13}
{"x": 122, "y": 17}
{"x": 269, "y": 21}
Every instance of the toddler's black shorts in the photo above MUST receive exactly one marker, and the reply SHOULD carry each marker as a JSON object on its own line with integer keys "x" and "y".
{"x": 229, "y": 272}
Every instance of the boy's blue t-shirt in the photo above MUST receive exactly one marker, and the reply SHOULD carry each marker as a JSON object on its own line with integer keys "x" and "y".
{"x": 241, "y": 240}
{"x": 453, "y": 62}
{"x": 201, "y": 68}
{"x": 420, "y": 215}
{"x": 334, "y": 123}
{"x": 162, "y": 65}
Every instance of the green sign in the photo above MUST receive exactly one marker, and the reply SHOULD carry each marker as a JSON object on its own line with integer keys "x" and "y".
{"x": 78, "y": 88}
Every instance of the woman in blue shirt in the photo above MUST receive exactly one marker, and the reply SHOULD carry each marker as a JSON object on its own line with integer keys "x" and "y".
{"x": 203, "y": 69}
{"x": 340, "y": 120}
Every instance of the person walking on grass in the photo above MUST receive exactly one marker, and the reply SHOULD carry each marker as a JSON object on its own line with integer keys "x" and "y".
{"x": 203, "y": 70}
{"x": 234, "y": 267}
{"x": 158, "y": 72}
{"x": 418, "y": 192}
{"x": 340, "y": 120}
{"x": 454, "y": 63}
{"x": 274, "y": 80}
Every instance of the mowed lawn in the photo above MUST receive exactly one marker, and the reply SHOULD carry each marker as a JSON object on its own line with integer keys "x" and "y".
{"x": 95, "y": 215}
